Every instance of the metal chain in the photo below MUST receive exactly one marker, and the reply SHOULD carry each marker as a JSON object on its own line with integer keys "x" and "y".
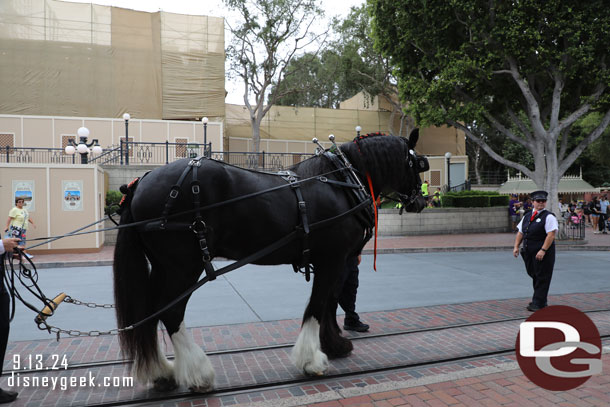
{"x": 76, "y": 333}
{"x": 74, "y": 301}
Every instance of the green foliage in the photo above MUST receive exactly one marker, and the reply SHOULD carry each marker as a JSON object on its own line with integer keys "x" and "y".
{"x": 448, "y": 54}
{"x": 113, "y": 198}
{"x": 473, "y": 199}
{"x": 527, "y": 69}
{"x": 501, "y": 200}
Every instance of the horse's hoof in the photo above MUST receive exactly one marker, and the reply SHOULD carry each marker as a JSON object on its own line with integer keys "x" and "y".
{"x": 201, "y": 389}
{"x": 165, "y": 384}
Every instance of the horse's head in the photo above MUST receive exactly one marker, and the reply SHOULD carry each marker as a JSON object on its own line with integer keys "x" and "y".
{"x": 392, "y": 165}
{"x": 410, "y": 193}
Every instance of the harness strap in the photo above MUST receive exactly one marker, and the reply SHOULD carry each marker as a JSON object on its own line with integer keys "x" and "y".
{"x": 199, "y": 227}
{"x": 173, "y": 195}
{"x": 304, "y": 232}
{"x": 249, "y": 259}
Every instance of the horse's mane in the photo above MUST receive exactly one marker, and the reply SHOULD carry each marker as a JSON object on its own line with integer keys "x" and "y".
{"x": 382, "y": 156}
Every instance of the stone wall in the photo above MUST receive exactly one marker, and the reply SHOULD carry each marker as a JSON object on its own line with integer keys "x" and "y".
{"x": 443, "y": 221}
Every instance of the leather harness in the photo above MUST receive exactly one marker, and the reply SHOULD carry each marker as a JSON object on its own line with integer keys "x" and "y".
{"x": 357, "y": 199}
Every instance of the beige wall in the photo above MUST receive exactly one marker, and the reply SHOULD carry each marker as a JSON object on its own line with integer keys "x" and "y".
{"x": 49, "y": 213}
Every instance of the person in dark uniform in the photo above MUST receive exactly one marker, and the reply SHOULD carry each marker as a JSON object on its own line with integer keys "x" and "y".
{"x": 537, "y": 232}
{"x": 8, "y": 245}
{"x": 346, "y": 291}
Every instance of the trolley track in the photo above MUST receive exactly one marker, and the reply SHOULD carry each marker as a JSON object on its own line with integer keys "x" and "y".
{"x": 99, "y": 364}
{"x": 148, "y": 396}
{"x": 304, "y": 380}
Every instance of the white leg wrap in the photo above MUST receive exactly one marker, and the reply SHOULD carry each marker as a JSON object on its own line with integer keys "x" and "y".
{"x": 306, "y": 353}
{"x": 192, "y": 367}
{"x": 156, "y": 368}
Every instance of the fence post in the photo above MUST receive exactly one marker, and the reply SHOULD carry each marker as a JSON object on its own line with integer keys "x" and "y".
{"x": 121, "y": 150}
{"x": 8, "y": 153}
{"x": 166, "y": 152}
{"x": 263, "y": 159}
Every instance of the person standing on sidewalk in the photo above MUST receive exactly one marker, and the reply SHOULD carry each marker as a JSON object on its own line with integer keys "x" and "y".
{"x": 6, "y": 245}
{"x": 537, "y": 231}
{"x": 603, "y": 214}
{"x": 17, "y": 223}
{"x": 347, "y": 289}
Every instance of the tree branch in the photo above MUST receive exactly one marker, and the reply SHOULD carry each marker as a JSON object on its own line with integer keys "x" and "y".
{"x": 490, "y": 151}
{"x": 569, "y": 160}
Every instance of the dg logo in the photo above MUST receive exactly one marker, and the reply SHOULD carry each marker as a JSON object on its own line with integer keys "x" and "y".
{"x": 559, "y": 348}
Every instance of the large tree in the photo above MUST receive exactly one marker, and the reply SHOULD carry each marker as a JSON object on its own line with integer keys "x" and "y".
{"x": 527, "y": 68}
{"x": 270, "y": 33}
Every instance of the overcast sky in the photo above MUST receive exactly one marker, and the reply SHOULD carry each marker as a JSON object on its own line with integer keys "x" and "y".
{"x": 215, "y": 8}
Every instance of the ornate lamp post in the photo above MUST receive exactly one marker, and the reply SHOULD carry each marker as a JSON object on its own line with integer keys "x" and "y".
{"x": 83, "y": 147}
{"x": 448, "y": 158}
{"x": 358, "y": 130}
{"x": 126, "y": 117}
{"x": 205, "y": 120}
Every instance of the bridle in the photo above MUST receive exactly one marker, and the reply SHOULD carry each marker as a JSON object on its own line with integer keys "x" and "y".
{"x": 421, "y": 165}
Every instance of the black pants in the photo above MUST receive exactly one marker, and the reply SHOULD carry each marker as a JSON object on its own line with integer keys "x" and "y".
{"x": 347, "y": 288}
{"x": 4, "y": 320}
{"x": 541, "y": 272}
{"x": 602, "y": 221}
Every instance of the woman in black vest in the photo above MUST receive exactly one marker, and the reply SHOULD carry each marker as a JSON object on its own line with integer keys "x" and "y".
{"x": 537, "y": 231}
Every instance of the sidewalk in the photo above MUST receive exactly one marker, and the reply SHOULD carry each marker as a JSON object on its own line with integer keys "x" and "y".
{"x": 398, "y": 244}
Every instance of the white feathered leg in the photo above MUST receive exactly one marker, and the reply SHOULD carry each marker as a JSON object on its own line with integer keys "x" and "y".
{"x": 306, "y": 353}
{"x": 192, "y": 367}
{"x": 159, "y": 371}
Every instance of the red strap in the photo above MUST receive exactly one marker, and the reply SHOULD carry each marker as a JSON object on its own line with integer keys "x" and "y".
{"x": 368, "y": 177}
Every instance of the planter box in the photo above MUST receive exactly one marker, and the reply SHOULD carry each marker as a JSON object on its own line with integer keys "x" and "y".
{"x": 433, "y": 221}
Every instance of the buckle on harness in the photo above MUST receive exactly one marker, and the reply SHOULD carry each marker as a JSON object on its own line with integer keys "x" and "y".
{"x": 198, "y": 226}
{"x": 302, "y": 206}
{"x": 323, "y": 179}
{"x": 174, "y": 193}
{"x": 196, "y": 162}
{"x": 195, "y": 189}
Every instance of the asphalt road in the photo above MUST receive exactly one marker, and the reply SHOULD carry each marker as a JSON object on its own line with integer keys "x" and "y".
{"x": 258, "y": 293}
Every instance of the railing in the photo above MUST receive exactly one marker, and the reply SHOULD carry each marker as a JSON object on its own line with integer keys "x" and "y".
{"x": 569, "y": 230}
{"x": 36, "y": 155}
{"x": 488, "y": 177}
{"x": 460, "y": 187}
{"x": 155, "y": 154}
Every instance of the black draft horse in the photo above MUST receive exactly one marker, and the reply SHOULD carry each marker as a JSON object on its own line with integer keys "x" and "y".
{"x": 152, "y": 268}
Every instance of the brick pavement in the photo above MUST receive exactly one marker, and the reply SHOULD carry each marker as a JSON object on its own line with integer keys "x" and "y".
{"x": 247, "y": 368}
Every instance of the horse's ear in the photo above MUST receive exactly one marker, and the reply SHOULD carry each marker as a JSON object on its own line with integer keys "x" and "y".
{"x": 413, "y": 137}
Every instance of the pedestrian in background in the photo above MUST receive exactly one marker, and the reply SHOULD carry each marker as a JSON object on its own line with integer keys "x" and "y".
{"x": 537, "y": 231}
{"x": 18, "y": 222}
{"x": 603, "y": 214}
{"x": 513, "y": 211}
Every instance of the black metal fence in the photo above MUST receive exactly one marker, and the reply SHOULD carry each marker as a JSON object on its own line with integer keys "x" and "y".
{"x": 137, "y": 153}
{"x": 488, "y": 177}
{"x": 36, "y": 155}
{"x": 572, "y": 229}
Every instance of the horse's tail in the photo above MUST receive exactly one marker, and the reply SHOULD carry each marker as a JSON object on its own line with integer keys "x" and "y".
{"x": 132, "y": 291}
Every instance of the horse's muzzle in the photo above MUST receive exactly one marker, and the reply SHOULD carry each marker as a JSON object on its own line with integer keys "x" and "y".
{"x": 417, "y": 205}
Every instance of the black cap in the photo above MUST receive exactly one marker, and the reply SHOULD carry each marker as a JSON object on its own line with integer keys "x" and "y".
{"x": 539, "y": 195}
